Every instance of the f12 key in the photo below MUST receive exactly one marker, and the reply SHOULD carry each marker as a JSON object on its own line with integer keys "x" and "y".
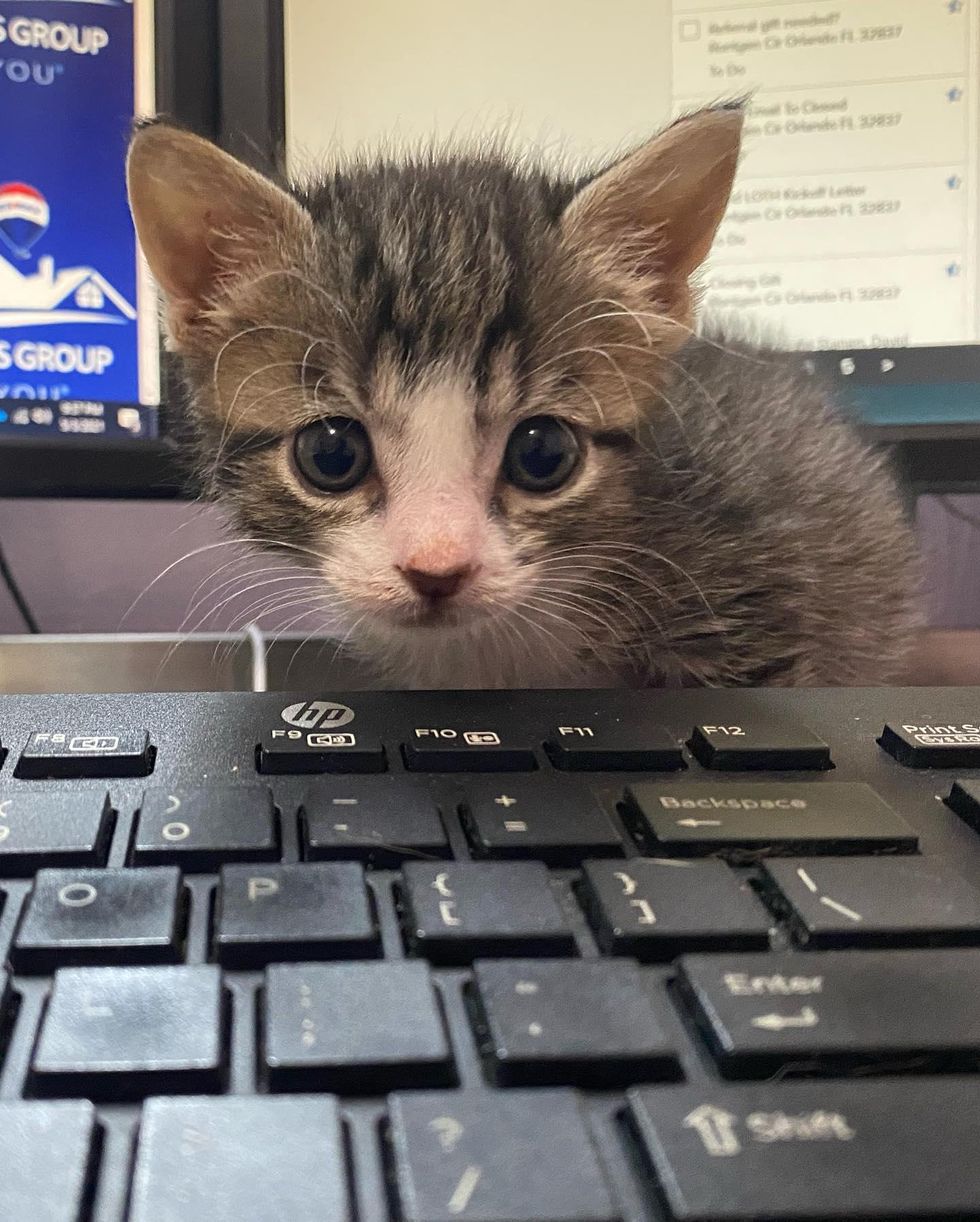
{"x": 756, "y": 745}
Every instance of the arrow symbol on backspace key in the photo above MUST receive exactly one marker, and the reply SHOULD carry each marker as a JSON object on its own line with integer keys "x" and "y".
{"x": 807, "y": 1017}
{"x": 699, "y": 823}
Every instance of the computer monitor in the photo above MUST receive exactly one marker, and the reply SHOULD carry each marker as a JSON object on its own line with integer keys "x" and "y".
{"x": 853, "y": 235}
{"x": 85, "y": 398}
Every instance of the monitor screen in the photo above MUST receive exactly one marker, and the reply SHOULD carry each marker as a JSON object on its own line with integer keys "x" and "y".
{"x": 79, "y": 340}
{"x": 853, "y": 233}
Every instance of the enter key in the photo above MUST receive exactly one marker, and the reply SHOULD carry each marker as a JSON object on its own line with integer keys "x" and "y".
{"x": 840, "y": 1010}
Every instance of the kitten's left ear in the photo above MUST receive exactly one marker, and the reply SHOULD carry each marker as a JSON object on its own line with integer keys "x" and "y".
{"x": 653, "y": 215}
{"x": 203, "y": 218}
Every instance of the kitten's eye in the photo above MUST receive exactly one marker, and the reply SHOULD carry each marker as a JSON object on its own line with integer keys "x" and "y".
{"x": 333, "y": 455}
{"x": 541, "y": 454}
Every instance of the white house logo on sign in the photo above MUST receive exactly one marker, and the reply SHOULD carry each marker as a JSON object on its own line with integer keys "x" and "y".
{"x": 46, "y": 294}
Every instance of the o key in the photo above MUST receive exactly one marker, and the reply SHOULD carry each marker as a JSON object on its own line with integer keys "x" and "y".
{"x": 100, "y": 917}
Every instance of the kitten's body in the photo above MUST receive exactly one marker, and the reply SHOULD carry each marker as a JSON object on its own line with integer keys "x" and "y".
{"x": 723, "y": 525}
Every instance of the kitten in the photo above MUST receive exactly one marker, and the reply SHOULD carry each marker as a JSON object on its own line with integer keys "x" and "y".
{"x": 468, "y": 394}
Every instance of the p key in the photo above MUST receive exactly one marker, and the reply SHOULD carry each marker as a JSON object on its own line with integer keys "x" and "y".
{"x": 294, "y": 912}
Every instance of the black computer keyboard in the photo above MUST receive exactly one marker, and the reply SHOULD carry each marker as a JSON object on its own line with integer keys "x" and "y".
{"x": 499, "y": 957}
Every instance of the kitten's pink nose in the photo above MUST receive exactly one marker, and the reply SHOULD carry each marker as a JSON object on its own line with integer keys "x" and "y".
{"x": 438, "y": 584}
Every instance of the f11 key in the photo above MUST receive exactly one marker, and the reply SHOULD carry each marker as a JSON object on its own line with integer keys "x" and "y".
{"x": 612, "y": 743}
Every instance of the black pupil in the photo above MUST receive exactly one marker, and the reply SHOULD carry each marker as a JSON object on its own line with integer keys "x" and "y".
{"x": 333, "y": 454}
{"x": 336, "y": 450}
{"x": 543, "y": 451}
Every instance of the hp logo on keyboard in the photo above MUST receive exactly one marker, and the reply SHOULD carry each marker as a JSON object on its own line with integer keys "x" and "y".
{"x": 310, "y": 715}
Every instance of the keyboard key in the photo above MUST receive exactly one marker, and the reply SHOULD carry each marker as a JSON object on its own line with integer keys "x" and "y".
{"x": 819, "y": 1150}
{"x": 964, "y": 799}
{"x": 608, "y": 743}
{"x": 837, "y": 1010}
{"x": 294, "y": 912}
{"x": 577, "y": 1022}
{"x": 547, "y": 818}
{"x": 359, "y": 1028}
{"x": 881, "y": 901}
{"x": 53, "y": 829}
{"x": 771, "y": 817}
{"x": 101, "y": 916}
{"x": 201, "y": 828}
{"x": 296, "y": 751}
{"x": 208, "y": 1160}
{"x": 47, "y": 1153}
{"x": 756, "y": 744}
{"x": 481, "y": 750}
{"x": 955, "y": 745}
{"x": 6, "y": 1006}
{"x": 524, "y": 1155}
{"x": 461, "y": 910}
{"x": 126, "y": 1032}
{"x": 67, "y": 754}
{"x": 381, "y": 821}
{"x": 654, "y": 910}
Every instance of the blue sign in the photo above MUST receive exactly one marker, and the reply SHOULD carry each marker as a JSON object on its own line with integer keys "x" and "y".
{"x": 77, "y": 317}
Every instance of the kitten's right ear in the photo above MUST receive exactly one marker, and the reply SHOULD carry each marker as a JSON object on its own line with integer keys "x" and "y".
{"x": 203, "y": 217}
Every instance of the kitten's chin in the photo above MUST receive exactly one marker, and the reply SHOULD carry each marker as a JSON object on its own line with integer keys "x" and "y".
{"x": 434, "y": 616}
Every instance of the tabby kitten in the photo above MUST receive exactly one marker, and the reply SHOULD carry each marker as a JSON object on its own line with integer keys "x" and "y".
{"x": 469, "y": 395}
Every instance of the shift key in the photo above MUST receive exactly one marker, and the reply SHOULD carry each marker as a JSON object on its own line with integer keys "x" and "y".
{"x": 771, "y": 818}
{"x": 885, "y": 1148}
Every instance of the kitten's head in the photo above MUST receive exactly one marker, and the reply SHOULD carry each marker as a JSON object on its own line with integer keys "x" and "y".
{"x": 428, "y": 376}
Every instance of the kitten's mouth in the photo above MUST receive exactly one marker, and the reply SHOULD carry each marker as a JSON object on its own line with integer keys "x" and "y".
{"x": 437, "y": 613}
